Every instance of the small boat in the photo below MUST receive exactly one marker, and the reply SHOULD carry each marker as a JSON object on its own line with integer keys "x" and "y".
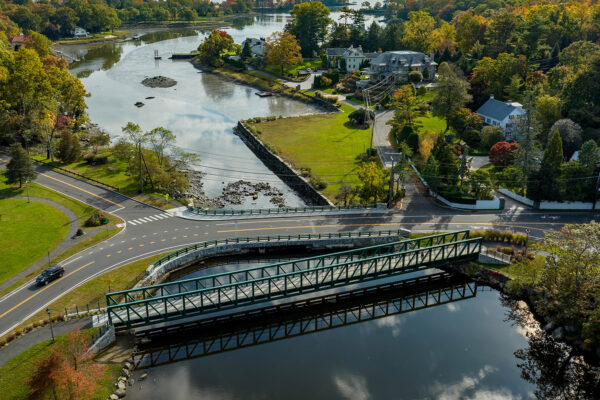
{"x": 264, "y": 94}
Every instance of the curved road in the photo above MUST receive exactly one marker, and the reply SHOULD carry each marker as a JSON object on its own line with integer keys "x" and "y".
{"x": 161, "y": 233}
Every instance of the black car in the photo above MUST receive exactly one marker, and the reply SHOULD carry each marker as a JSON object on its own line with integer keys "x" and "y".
{"x": 50, "y": 274}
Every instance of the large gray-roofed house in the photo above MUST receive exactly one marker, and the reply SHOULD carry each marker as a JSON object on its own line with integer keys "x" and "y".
{"x": 400, "y": 63}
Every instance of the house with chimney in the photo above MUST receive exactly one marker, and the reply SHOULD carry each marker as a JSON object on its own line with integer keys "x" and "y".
{"x": 353, "y": 57}
{"x": 503, "y": 114}
{"x": 399, "y": 64}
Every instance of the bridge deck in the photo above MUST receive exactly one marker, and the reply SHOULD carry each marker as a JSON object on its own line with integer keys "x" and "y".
{"x": 272, "y": 282}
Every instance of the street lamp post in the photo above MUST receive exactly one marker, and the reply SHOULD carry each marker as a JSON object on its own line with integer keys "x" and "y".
{"x": 50, "y": 319}
{"x": 27, "y": 188}
{"x": 526, "y": 240}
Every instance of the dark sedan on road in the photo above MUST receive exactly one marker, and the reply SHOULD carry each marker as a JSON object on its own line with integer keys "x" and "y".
{"x": 50, "y": 274}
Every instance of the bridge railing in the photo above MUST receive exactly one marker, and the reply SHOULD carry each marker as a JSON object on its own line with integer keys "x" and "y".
{"x": 273, "y": 238}
{"x": 280, "y": 210}
{"x": 246, "y": 274}
{"x": 203, "y": 300}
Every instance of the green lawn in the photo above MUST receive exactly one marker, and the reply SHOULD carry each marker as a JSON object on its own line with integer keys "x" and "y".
{"x": 15, "y": 374}
{"x": 113, "y": 173}
{"x": 27, "y": 232}
{"x": 325, "y": 143}
{"x": 431, "y": 123}
{"x": 292, "y": 71}
{"x": 81, "y": 210}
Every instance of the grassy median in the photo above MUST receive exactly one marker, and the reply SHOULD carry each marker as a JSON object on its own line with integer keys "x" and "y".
{"x": 327, "y": 144}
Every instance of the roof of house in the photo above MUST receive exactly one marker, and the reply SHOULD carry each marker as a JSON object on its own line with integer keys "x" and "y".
{"x": 403, "y": 58}
{"x": 335, "y": 51}
{"x": 20, "y": 39}
{"x": 497, "y": 109}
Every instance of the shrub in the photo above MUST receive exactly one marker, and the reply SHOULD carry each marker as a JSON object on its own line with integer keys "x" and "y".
{"x": 10, "y": 337}
{"x": 96, "y": 159}
{"x": 357, "y": 117}
{"x": 19, "y": 332}
{"x": 415, "y": 76}
{"x": 502, "y": 153}
{"x": 318, "y": 183}
{"x": 413, "y": 141}
{"x": 325, "y": 82}
{"x": 490, "y": 135}
{"x": 471, "y": 137}
{"x": 422, "y": 91}
{"x": 2, "y": 342}
{"x": 508, "y": 250}
{"x": 96, "y": 219}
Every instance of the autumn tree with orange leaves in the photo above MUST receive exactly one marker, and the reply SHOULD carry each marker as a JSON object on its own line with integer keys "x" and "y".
{"x": 68, "y": 372}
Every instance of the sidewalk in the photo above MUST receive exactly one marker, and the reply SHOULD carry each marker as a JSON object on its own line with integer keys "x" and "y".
{"x": 39, "y": 335}
{"x": 187, "y": 214}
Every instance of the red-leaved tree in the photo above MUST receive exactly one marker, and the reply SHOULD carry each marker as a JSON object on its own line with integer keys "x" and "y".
{"x": 68, "y": 372}
{"x": 502, "y": 153}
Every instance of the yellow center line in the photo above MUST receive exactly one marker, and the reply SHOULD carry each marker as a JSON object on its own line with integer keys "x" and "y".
{"x": 141, "y": 245}
{"x": 152, "y": 242}
{"x": 47, "y": 287}
{"x": 119, "y": 252}
{"x": 108, "y": 255}
{"x": 513, "y": 224}
{"x": 131, "y": 248}
{"x": 83, "y": 190}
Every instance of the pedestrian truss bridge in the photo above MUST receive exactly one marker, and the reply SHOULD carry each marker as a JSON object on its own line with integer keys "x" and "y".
{"x": 165, "y": 302}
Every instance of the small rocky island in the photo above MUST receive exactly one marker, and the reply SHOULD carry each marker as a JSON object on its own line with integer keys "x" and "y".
{"x": 159, "y": 81}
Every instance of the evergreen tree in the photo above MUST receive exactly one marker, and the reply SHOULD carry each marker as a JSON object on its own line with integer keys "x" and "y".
{"x": 527, "y": 132}
{"x": 445, "y": 157}
{"x": 451, "y": 93}
{"x": 69, "y": 148}
{"x": 553, "y": 155}
{"x": 19, "y": 168}
{"x": 431, "y": 173}
{"x": 246, "y": 51}
{"x": 589, "y": 155}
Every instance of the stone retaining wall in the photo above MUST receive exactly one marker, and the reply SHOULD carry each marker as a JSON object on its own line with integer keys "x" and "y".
{"x": 157, "y": 274}
{"x": 301, "y": 186}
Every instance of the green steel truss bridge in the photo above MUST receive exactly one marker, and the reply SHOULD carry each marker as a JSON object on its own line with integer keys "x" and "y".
{"x": 166, "y": 302}
{"x": 199, "y": 338}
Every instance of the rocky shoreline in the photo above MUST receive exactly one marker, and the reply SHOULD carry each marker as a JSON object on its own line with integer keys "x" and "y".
{"x": 233, "y": 193}
{"x": 565, "y": 333}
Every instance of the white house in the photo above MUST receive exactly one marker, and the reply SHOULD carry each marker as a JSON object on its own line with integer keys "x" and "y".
{"x": 257, "y": 46}
{"x": 353, "y": 57}
{"x": 79, "y": 32}
{"x": 497, "y": 113}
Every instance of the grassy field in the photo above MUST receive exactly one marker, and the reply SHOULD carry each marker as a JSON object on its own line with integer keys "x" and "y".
{"x": 84, "y": 244}
{"x": 325, "y": 143}
{"x": 15, "y": 374}
{"x": 82, "y": 211}
{"x": 113, "y": 173}
{"x": 293, "y": 71}
{"x": 94, "y": 37}
{"x": 27, "y": 232}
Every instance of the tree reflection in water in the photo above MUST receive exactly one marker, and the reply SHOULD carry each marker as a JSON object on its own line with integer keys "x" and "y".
{"x": 556, "y": 370}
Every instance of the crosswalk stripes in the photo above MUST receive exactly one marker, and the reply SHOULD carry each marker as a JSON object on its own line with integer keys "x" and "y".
{"x": 150, "y": 218}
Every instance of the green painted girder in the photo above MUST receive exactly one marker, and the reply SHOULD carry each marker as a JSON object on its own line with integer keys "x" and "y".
{"x": 276, "y": 269}
{"x": 261, "y": 289}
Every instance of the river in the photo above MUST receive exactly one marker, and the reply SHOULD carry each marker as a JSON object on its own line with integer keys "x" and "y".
{"x": 474, "y": 347}
{"x": 201, "y": 109}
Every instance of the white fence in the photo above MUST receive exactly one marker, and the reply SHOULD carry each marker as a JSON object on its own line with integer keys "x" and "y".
{"x": 493, "y": 204}
{"x": 550, "y": 205}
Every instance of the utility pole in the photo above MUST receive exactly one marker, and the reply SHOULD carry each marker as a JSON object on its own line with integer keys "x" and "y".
{"x": 391, "y": 188}
{"x": 140, "y": 162}
{"x": 596, "y": 193}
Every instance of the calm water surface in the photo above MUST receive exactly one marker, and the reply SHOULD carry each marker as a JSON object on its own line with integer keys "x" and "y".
{"x": 201, "y": 109}
{"x": 461, "y": 350}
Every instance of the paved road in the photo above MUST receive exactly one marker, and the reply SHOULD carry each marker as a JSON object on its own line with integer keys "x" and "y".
{"x": 159, "y": 235}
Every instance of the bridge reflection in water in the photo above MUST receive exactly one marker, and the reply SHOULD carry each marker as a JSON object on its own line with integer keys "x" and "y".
{"x": 162, "y": 345}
